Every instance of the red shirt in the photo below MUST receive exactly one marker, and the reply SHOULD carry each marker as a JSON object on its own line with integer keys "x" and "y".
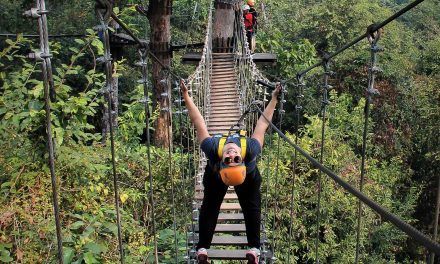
{"x": 248, "y": 21}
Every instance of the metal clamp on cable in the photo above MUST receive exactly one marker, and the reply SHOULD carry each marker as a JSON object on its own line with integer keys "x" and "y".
{"x": 39, "y": 56}
{"x": 104, "y": 8}
{"x": 373, "y": 34}
{"x": 35, "y": 12}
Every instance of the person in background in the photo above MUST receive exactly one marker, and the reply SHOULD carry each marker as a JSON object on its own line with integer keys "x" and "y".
{"x": 249, "y": 26}
{"x": 253, "y": 11}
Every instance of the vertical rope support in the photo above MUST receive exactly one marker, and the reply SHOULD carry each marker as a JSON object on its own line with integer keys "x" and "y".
{"x": 199, "y": 88}
{"x": 103, "y": 27}
{"x": 373, "y": 38}
{"x": 146, "y": 100}
{"x": 170, "y": 170}
{"x": 437, "y": 208}
{"x": 46, "y": 68}
{"x": 277, "y": 171}
{"x": 324, "y": 102}
{"x": 298, "y": 107}
{"x": 182, "y": 166}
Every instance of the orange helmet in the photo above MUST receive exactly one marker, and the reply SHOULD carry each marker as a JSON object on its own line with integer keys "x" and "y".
{"x": 233, "y": 175}
{"x": 251, "y": 2}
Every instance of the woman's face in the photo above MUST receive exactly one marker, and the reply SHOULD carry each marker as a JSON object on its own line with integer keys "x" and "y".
{"x": 231, "y": 150}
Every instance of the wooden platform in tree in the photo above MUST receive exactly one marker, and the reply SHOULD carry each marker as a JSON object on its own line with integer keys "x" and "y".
{"x": 258, "y": 58}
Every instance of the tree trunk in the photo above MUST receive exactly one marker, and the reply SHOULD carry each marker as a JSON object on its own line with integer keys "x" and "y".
{"x": 159, "y": 13}
{"x": 223, "y": 26}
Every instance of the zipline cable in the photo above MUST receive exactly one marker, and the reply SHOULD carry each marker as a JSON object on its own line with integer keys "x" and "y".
{"x": 403, "y": 226}
{"x": 370, "y": 92}
{"x": 103, "y": 27}
{"x": 46, "y": 68}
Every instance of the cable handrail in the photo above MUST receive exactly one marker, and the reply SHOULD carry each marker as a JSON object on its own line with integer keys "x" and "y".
{"x": 421, "y": 238}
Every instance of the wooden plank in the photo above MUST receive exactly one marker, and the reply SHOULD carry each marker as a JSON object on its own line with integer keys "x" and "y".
{"x": 222, "y": 66}
{"x": 227, "y": 254}
{"x": 222, "y": 119}
{"x": 224, "y": 114}
{"x": 225, "y": 240}
{"x": 221, "y": 78}
{"x": 222, "y": 217}
{"x": 230, "y": 207}
{"x": 230, "y": 72}
{"x": 221, "y": 96}
{"x": 230, "y": 87}
{"x": 223, "y": 72}
{"x": 216, "y": 92}
{"x": 232, "y": 100}
{"x": 219, "y": 129}
{"x": 228, "y": 106}
{"x": 218, "y": 54}
{"x": 225, "y": 59}
{"x": 226, "y": 228}
{"x": 228, "y": 196}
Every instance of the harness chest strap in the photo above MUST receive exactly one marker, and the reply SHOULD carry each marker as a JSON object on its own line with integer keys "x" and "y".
{"x": 243, "y": 144}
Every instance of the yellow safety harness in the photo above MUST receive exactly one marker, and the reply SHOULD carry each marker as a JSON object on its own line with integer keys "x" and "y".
{"x": 221, "y": 143}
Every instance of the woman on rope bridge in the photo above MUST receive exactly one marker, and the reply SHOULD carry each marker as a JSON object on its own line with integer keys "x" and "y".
{"x": 230, "y": 165}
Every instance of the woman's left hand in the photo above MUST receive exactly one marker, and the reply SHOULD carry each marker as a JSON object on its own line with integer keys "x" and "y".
{"x": 276, "y": 92}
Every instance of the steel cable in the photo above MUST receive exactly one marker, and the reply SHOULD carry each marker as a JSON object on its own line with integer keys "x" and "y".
{"x": 280, "y": 114}
{"x": 370, "y": 92}
{"x": 108, "y": 93}
{"x": 298, "y": 107}
{"x": 324, "y": 102}
{"x": 376, "y": 27}
{"x": 170, "y": 168}
{"x": 144, "y": 64}
{"x": 403, "y": 226}
{"x": 49, "y": 95}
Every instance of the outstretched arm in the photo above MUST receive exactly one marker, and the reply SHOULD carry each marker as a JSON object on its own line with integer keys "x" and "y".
{"x": 262, "y": 123}
{"x": 194, "y": 114}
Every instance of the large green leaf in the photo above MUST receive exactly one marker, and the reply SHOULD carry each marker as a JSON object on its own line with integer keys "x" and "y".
{"x": 89, "y": 258}
{"x": 68, "y": 254}
{"x": 95, "y": 248}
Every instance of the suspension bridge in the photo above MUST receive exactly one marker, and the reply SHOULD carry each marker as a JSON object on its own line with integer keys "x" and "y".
{"x": 225, "y": 86}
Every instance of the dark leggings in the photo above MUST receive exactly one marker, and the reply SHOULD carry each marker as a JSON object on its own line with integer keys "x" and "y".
{"x": 249, "y": 196}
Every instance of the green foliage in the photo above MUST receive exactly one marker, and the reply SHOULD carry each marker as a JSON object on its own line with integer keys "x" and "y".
{"x": 86, "y": 201}
{"x": 402, "y": 140}
{"x": 338, "y": 208}
{"x": 22, "y": 95}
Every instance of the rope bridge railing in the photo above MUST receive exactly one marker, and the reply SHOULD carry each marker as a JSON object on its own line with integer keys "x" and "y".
{"x": 199, "y": 86}
{"x": 373, "y": 35}
{"x": 247, "y": 73}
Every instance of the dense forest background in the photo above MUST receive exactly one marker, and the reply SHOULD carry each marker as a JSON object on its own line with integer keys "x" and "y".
{"x": 403, "y": 140}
